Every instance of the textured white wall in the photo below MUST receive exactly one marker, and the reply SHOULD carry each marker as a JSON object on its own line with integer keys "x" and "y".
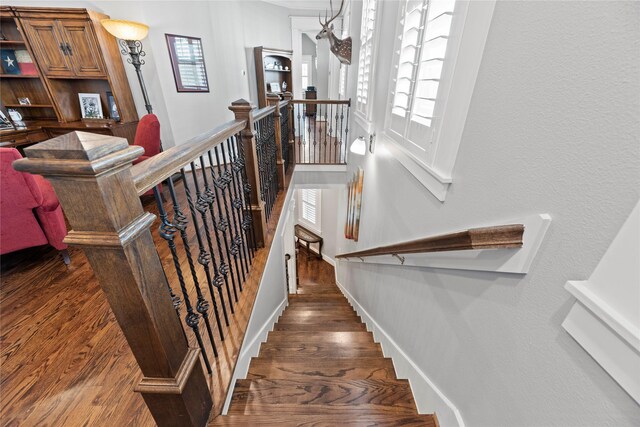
{"x": 553, "y": 128}
{"x": 229, "y": 31}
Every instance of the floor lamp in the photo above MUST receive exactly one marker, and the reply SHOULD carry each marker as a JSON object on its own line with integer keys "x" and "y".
{"x": 129, "y": 34}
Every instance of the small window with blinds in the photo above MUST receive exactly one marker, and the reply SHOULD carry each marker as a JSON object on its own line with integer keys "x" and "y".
{"x": 187, "y": 60}
{"x": 309, "y": 208}
{"x": 422, "y": 55}
{"x": 365, "y": 61}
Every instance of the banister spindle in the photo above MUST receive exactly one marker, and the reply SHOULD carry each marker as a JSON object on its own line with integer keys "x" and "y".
{"x": 243, "y": 111}
{"x": 273, "y": 99}
{"x": 91, "y": 175}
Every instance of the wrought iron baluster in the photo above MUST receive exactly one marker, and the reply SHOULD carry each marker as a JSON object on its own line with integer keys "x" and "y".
{"x": 308, "y": 159}
{"x": 329, "y": 123}
{"x": 202, "y": 305}
{"x": 346, "y": 135}
{"x": 247, "y": 225}
{"x": 202, "y": 206}
{"x": 192, "y": 319}
{"x": 223, "y": 184}
{"x": 204, "y": 257}
{"x": 341, "y": 125}
{"x": 222, "y": 225}
{"x": 300, "y": 106}
{"x": 237, "y": 164}
{"x": 327, "y": 147}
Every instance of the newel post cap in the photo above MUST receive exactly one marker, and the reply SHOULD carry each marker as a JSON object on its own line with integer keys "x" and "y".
{"x": 78, "y": 153}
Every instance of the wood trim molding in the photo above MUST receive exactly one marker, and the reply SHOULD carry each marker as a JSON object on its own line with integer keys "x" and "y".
{"x": 322, "y": 101}
{"x": 497, "y": 237}
{"x": 171, "y": 385}
{"x": 149, "y": 173}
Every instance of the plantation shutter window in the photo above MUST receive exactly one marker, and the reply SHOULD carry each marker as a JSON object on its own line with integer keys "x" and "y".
{"x": 365, "y": 61}
{"x": 425, "y": 26}
{"x": 309, "y": 208}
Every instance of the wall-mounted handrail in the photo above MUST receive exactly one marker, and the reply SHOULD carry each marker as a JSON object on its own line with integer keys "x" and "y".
{"x": 496, "y": 237}
{"x": 161, "y": 166}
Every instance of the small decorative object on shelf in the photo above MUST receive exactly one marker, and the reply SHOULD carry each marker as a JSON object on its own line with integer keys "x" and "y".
{"x": 90, "y": 105}
{"x": 284, "y": 86}
{"x": 5, "y": 123}
{"x": 187, "y": 60}
{"x": 113, "y": 108}
{"x": 340, "y": 48}
{"x": 9, "y": 61}
{"x": 354, "y": 206}
{"x": 24, "y": 101}
{"x": 16, "y": 117}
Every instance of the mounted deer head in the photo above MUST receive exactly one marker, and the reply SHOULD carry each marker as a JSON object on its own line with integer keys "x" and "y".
{"x": 340, "y": 48}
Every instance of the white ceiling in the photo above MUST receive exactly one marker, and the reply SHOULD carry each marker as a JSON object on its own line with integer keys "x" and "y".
{"x": 303, "y": 4}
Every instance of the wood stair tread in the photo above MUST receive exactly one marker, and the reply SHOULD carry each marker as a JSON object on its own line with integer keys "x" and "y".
{"x": 326, "y": 420}
{"x": 321, "y": 368}
{"x": 306, "y": 350}
{"x": 320, "y": 319}
{"x": 268, "y": 395}
{"x": 320, "y": 337}
{"x": 322, "y": 326}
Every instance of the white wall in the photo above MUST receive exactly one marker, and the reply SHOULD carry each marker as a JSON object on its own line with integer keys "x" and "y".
{"x": 229, "y": 31}
{"x": 552, "y": 128}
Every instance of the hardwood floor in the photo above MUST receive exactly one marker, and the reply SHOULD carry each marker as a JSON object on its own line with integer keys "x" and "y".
{"x": 63, "y": 358}
{"x": 320, "y": 367}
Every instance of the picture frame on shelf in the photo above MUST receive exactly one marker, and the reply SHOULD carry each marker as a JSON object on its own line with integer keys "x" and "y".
{"x": 24, "y": 101}
{"x": 113, "y": 108}
{"x": 187, "y": 60}
{"x": 5, "y": 123}
{"x": 16, "y": 118}
{"x": 90, "y": 106}
{"x": 274, "y": 87}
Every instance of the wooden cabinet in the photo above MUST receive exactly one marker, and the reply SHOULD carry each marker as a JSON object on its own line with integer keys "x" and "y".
{"x": 64, "y": 48}
{"x": 72, "y": 54}
{"x": 48, "y": 47}
{"x": 272, "y": 66}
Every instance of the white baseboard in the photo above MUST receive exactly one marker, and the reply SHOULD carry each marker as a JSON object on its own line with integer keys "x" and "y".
{"x": 429, "y": 399}
{"x": 252, "y": 350}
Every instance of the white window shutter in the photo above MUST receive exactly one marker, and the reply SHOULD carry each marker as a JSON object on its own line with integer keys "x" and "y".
{"x": 365, "y": 61}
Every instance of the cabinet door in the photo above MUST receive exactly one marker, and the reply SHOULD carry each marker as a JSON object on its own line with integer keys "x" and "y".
{"x": 82, "y": 48}
{"x": 47, "y": 44}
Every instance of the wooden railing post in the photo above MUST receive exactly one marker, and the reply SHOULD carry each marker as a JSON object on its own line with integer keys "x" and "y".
{"x": 91, "y": 175}
{"x": 243, "y": 111}
{"x": 273, "y": 99}
{"x": 292, "y": 136}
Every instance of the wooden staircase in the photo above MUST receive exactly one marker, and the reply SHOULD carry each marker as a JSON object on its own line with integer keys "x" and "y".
{"x": 320, "y": 367}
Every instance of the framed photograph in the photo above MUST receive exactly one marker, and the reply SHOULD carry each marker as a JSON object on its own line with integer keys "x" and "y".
{"x": 24, "y": 101}
{"x": 274, "y": 87}
{"x": 187, "y": 61}
{"x": 113, "y": 108}
{"x": 90, "y": 105}
{"x": 5, "y": 123}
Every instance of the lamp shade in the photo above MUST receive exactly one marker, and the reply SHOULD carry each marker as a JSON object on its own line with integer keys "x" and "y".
{"x": 125, "y": 30}
{"x": 358, "y": 146}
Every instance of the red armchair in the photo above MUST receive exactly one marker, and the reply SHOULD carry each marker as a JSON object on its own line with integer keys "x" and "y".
{"x": 148, "y": 137}
{"x": 30, "y": 213}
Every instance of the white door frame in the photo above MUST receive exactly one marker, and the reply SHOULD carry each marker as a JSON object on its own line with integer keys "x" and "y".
{"x": 299, "y": 25}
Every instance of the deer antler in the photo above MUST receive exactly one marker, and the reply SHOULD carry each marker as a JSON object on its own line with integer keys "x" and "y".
{"x": 327, "y": 22}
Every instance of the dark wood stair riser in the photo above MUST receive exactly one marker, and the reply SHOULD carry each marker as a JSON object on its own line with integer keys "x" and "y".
{"x": 326, "y": 420}
{"x": 326, "y": 337}
{"x": 305, "y": 350}
{"x": 333, "y": 326}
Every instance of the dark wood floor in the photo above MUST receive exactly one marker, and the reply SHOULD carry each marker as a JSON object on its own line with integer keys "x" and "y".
{"x": 63, "y": 358}
{"x": 320, "y": 367}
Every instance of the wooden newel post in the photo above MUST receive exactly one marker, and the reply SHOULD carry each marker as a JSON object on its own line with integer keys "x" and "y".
{"x": 273, "y": 99}
{"x": 243, "y": 111}
{"x": 91, "y": 175}
{"x": 288, "y": 96}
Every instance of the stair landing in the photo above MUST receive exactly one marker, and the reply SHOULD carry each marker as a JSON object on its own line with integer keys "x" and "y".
{"x": 320, "y": 367}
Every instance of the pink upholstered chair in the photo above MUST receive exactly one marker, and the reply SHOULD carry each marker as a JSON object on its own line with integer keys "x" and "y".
{"x": 30, "y": 213}
{"x": 148, "y": 137}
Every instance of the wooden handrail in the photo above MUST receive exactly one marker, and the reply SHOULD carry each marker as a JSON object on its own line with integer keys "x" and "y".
{"x": 263, "y": 112}
{"x": 496, "y": 237}
{"x": 322, "y": 101}
{"x": 156, "y": 169}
